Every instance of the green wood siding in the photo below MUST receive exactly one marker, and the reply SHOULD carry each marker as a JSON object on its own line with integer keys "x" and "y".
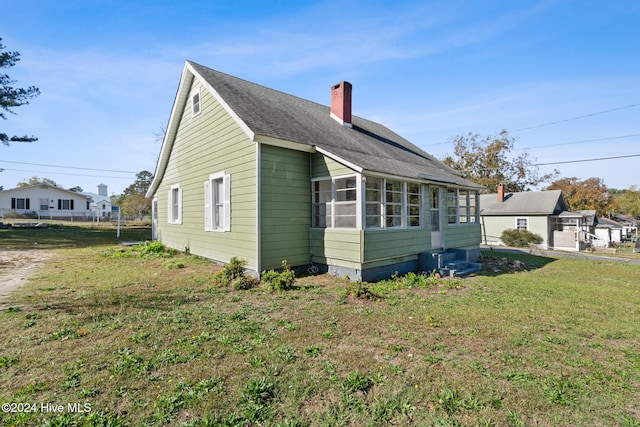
{"x": 208, "y": 143}
{"x": 462, "y": 235}
{"x": 285, "y": 206}
{"x": 336, "y": 247}
{"x": 323, "y": 166}
{"x": 384, "y": 244}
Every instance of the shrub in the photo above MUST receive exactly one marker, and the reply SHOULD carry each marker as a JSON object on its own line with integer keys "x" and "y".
{"x": 519, "y": 238}
{"x": 232, "y": 270}
{"x": 360, "y": 290}
{"x": 279, "y": 281}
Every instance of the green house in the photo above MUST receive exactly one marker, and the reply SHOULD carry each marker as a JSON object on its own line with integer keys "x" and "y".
{"x": 250, "y": 172}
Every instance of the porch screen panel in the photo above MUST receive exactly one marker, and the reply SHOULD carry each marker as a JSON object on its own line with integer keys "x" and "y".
{"x": 374, "y": 203}
{"x": 345, "y": 205}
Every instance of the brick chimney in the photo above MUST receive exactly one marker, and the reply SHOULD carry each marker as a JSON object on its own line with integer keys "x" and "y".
{"x": 501, "y": 192}
{"x": 341, "y": 103}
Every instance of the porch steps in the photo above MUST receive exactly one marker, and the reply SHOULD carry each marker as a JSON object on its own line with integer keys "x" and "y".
{"x": 448, "y": 264}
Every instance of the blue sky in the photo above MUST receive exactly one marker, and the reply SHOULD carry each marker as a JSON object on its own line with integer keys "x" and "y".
{"x": 562, "y": 76}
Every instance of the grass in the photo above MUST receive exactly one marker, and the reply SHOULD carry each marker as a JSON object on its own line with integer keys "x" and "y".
{"x": 142, "y": 342}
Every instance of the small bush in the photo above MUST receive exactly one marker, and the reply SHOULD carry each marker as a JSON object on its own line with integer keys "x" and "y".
{"x": 231, "y": 271}
{"x": 279, "y": 281}
{"x": 519, "y": 238}
{"x": 244, "y": 282}
{"x": 360, "y": 290}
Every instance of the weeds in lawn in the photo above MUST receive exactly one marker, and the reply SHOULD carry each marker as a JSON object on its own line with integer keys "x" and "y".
{"x": 148, "y": 345}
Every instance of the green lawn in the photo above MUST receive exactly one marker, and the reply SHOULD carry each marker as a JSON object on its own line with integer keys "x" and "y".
{"x": 136, "y": 338}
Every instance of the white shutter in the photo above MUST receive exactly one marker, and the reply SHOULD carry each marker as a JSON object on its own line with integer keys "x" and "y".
{"x": 169, "y": 207}
{"x": 227, "y": 202}
{"x": 207, "y": 205}
{"x": 179, "y": 205}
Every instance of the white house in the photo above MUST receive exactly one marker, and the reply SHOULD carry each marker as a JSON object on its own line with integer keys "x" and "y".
{"x": 43, "y": 201}
{"x": 100, "y": 203}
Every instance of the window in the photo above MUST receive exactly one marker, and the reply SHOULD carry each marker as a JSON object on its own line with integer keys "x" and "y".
{"x": 44, "y": 204}
{"x": 522, "y": 224}
{"x": 322, "y": 207}
{"x": 393, "y": 208}
{"x": 65, "y": 204}
{"x": 392, "y": 204}
{"x": 473, "y": 206}
{"x": 335, "y": 202}
{"x": 195, "y": 103}
{"x": 463, "y": 205}
{"x": 23, "y": 204}
{"x": 345, "y": 202}
{"x": 452, "y": 206}
{"x": 414, "y": 203}
{"x": 175, "y": 205}
{"x": 374, "y": 205}
{"x": 217, "y": 202}
{"x": 435, "y": 209}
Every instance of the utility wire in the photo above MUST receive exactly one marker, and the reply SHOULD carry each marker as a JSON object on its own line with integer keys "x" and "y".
{"x": 65, "y": 167}
{"x": 578, "y": 142}
{"x": 575, "y": 118}
{"x": 71, "y": 174}
{"x": 588, "y": 160}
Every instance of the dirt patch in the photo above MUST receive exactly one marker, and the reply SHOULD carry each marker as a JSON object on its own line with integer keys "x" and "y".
{"x": 503, "y": 265}
{"x": 17, "y": 267}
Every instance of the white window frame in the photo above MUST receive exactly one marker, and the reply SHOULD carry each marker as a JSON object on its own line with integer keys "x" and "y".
{"x": 196, "y": 103}
{"x": 331, "y": 204}
{"x": 383, "y": 204}
{"x": 174, "y": 192}
{"x": 217, "y": 204}
{"x": 526, "y": 222}
{"x": 466, "y": 206}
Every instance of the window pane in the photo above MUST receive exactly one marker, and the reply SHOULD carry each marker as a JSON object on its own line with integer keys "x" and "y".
{"x": 374, "y": 221}
{"x": 346, "y": 189}
{"x": 435, "y": 220}
{"x": 322, "y": 191}
{"x": 320, "y": 216}
{"x": 345, "y": 221}
{"x": 345, "y": 209}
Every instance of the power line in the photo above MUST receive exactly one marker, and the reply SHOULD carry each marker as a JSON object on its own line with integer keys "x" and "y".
{"x": 575, "y": 118}
{"x": 70, "y": 174}
{"x": 588, "y": 160}
{"x": 578, "y": 142}
{"x": 65, "y": 167}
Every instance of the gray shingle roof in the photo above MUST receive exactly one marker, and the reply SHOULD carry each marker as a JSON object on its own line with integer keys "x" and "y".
{"x": 529, "y": 203}
{"x": 369, "y": 145}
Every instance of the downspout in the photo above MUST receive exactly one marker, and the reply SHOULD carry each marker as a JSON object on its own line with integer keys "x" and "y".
{"x": 258, "y": 210}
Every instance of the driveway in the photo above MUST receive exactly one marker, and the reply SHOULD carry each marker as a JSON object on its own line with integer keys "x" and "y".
{"x": 560, "y": 254}
{"x": 17, "y": 267}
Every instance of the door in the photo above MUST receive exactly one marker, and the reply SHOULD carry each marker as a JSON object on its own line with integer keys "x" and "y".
{"x": 436, "y": 217}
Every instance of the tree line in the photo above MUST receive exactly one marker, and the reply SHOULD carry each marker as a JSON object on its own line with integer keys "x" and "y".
{"x": 487, "y": 160}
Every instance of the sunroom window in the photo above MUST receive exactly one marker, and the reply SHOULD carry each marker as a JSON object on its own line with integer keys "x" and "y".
{"x": 414, "y": 203}
{"x": 345, "y": 202}
{"x": 374, "y": 204}
{"x": 392, "y": 204}
{"x": 335, "y": 202}
{"x": 393, "y": 198}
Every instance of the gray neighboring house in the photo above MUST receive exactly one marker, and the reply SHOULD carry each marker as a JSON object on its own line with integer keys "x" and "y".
{"x": 250, "y": 172}
{"x": 540, "y": 212}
